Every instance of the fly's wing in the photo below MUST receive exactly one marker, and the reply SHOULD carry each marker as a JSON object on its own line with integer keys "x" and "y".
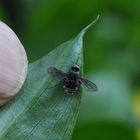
{"x": 56, "y": 73}
{"x": 88, "y": 84}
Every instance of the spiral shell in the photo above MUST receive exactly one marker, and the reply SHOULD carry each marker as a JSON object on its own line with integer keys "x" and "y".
{"x": 13, "y": 64}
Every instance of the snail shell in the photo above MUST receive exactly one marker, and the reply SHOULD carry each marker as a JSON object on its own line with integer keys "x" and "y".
{"x": 13, "y": 64}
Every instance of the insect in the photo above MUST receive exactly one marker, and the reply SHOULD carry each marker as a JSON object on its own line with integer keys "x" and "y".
{"x": 71, "y": 80}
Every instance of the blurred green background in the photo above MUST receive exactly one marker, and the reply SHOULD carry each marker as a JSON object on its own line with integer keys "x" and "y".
{"x": 111, "y": 56}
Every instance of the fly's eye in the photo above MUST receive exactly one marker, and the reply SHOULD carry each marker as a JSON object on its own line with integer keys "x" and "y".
{"x": 75, "y": 68}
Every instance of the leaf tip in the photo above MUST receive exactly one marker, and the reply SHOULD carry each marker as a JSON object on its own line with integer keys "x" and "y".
{"x": 88, "y": 26}
{"x": 93, "y": 22}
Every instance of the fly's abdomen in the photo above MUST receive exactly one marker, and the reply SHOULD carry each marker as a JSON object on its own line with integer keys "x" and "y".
{"x": 70, "y": 87}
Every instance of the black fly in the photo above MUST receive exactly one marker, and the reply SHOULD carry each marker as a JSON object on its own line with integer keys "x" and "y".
{"x": 71, "y": 80}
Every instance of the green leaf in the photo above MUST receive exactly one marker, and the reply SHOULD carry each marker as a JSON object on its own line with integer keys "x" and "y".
{"x": 40, "y": 112}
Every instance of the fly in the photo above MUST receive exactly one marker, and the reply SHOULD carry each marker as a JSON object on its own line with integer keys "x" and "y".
{"x": 71, "y": 80}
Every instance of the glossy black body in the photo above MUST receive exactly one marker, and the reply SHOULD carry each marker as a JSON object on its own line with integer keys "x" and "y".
{"x": 71, "y": 80}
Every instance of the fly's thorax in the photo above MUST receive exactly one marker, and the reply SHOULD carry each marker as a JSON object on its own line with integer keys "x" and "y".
{"x": 73, "y": 75}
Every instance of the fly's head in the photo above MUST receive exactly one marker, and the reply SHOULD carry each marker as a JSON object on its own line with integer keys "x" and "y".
{"x": 75, "y": 69}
